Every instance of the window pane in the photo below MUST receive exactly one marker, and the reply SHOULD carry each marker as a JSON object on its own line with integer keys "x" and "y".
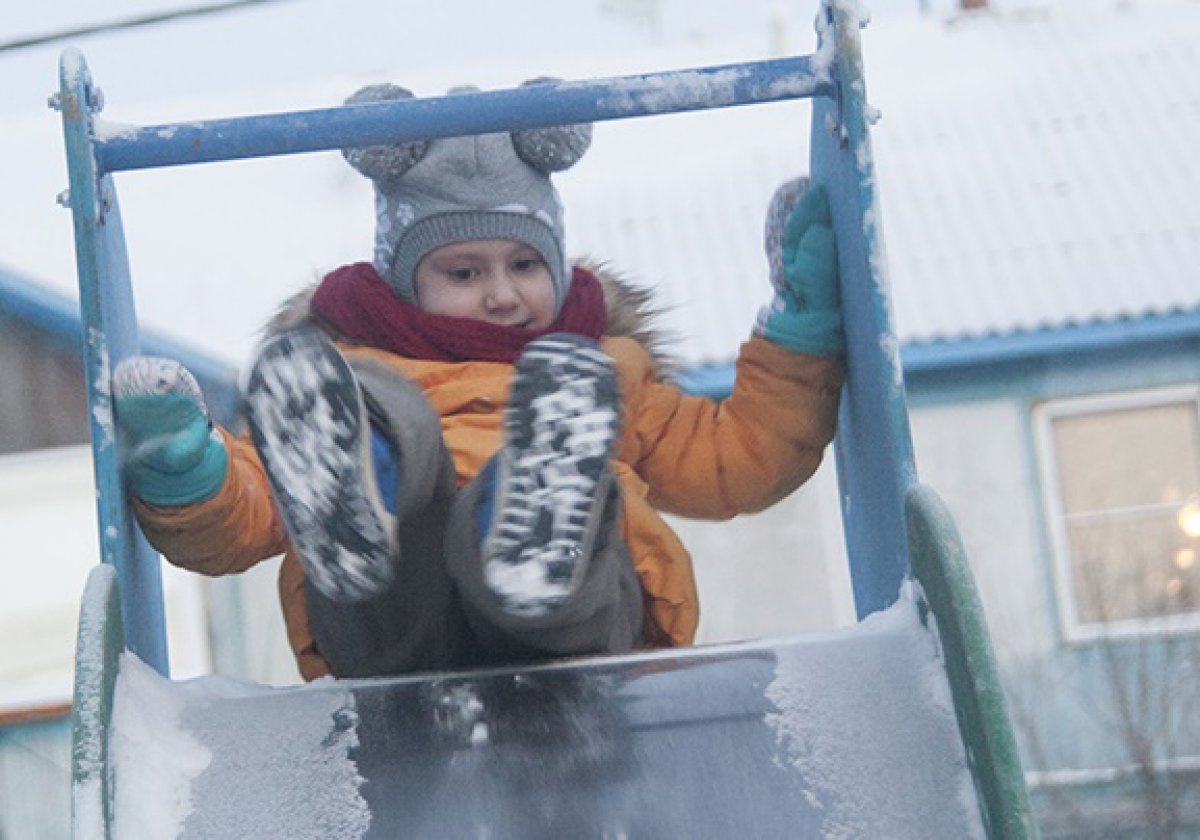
{"x": 1128, "y": 567}
{"x": 1129, "y": 482}
{"x": 1128, "y": 458}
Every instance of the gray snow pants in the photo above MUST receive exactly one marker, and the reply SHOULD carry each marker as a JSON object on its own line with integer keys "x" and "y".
{"x": 438, "y": 614}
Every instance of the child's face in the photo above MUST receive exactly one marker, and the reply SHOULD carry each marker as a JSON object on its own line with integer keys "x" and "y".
{"x": 495, "y": 280}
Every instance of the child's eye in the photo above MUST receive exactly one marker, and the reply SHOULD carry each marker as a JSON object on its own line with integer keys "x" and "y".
{"x": 526, "y": 264}
{"x": 463, "y": 274}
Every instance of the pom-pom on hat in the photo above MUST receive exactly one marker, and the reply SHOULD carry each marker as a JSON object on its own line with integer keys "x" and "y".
{"x": 486, "y": 186}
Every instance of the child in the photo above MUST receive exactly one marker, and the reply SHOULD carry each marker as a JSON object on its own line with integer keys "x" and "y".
{"x": 462, "y": 448}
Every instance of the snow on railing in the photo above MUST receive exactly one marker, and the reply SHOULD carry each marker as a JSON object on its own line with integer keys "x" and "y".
{"x": 125, "y": 147}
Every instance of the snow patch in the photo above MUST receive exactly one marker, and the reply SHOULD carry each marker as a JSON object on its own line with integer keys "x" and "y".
{"x": 829, "y": 721}
{"x": 87, "y": 793}
{"x": 87, "y": 809}
{"x": 889, "y": 345}
{"x": 795, "y": 85}
{"x": 212, "y": 756}
{"x": 103, "y": 130}
{"x": 102, "y": 413}
{"x": 313, "y": 481}
{"x": 856, "y": 10}
{"x": 822, "y": 60}
{"x": 676, "y": 90}
{"x": 154, "y": 759}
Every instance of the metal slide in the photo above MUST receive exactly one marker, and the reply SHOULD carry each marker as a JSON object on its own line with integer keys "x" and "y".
{"x": 893, "y": 728}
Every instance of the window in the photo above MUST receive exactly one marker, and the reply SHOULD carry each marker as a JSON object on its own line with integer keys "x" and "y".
{"x": 1121, "y": 477}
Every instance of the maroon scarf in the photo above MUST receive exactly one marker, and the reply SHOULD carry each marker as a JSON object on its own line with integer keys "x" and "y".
{"x": 360, "y": 305}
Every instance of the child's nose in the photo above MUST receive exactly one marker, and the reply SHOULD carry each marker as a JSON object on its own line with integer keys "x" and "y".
{"x": 501, "y": 291}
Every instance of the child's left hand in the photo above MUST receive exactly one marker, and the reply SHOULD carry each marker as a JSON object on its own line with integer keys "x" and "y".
{"x": 805, "y": 315}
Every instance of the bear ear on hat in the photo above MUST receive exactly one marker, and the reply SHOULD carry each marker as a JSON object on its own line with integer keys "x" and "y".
{"x": 553, "y": 148}
{"x": 384, "y": 163}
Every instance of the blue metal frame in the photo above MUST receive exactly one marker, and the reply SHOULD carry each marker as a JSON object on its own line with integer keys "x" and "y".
{"x": 874, "y": 448}
{"x": 110, "y": 334}
{"x": 533, "y": 106}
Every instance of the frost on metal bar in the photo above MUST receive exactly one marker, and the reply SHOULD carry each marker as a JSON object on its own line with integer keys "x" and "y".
{"x": 551, "y": 103}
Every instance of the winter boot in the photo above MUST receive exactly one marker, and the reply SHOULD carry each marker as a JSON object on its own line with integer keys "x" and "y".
{"x": 553, "y": 476}
{"x": 309, "y": 423}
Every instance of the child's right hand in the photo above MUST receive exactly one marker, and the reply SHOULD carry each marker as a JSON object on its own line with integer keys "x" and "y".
{"x": 174, "y": 455}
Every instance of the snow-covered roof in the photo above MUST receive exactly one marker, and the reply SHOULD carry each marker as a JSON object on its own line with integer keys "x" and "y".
{"x": 1033, "y": 162}
{"x": 1036, "y": 169}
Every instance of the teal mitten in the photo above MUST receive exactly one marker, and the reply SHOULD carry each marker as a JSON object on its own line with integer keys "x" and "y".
{"x": 806, "y": 314}
{"x": 174, "y": 455}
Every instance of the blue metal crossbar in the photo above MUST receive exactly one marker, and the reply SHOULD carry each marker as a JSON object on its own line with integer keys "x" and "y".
{"x": 532, "y": 106}
{"x": 874, "y": 449}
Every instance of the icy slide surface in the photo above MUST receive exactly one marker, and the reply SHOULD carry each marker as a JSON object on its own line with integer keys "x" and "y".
{"x": 842, "y": 735}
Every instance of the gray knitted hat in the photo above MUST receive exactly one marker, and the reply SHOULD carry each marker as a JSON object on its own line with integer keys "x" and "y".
{"x": 487, "y": 186}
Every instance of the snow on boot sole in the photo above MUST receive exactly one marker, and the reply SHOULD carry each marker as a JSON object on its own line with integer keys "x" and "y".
{"x": 309, "y": 424}
{"x": 561, "y": 429}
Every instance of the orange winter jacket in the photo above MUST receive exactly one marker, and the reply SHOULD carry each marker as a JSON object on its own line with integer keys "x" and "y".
{"x": 680, "y": 454}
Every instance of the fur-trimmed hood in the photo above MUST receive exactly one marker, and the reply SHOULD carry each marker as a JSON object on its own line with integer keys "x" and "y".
{"x": 630, "y": 309}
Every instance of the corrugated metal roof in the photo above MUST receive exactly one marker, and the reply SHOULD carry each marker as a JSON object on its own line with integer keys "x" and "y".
{"x": 1037, "y": 169}
{"x": 697, "y": 239}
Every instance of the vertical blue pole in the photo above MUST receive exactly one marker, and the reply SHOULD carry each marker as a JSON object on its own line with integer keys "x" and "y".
{"x": 109, "y": 335}
{"x": 874, "y": 445}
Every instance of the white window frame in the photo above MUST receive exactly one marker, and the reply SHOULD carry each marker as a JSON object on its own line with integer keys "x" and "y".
{"x": 1044, "y": 415}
